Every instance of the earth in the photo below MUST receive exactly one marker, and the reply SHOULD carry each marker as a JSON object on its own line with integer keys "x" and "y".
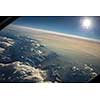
{"x": 33, "y": 55}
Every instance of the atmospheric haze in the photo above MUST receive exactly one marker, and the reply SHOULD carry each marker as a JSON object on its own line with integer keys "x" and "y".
{"x": 78, "y": 58}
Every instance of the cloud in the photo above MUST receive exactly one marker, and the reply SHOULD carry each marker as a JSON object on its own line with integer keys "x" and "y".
{"x": 19, "y": 72}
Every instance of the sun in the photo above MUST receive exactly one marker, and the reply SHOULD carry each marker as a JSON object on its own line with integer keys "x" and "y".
{"x": 86, "y": 23}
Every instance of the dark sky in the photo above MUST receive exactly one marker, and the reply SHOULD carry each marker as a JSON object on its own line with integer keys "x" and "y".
{"x": 65, "y": 24}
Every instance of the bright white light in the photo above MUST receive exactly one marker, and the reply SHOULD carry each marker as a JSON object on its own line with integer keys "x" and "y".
{"x": 86, "y": 23}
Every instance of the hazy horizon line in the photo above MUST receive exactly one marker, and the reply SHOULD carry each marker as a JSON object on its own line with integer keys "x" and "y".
{"x": 57, "y": 33}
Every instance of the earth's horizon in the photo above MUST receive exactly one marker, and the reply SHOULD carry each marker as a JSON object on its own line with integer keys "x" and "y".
{"x": 64, "y": 58}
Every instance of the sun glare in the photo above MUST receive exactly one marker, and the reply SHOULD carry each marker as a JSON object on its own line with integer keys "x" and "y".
{"x": 86, "y": 23}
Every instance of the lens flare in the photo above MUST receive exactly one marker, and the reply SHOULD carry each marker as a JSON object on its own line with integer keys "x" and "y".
{"x": 86, "y": 23}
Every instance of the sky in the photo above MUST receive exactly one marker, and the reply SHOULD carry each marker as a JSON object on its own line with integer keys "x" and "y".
{"x": 72, "y": 25}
